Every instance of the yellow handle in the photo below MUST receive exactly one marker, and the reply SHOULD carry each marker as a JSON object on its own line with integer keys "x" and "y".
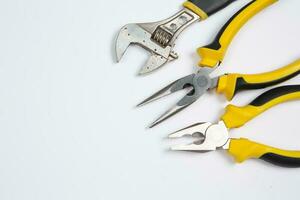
{"x": 244, "y": 149}
{"x": 231, "y": 84}
{"x": 213, "y": 54}
{"x": 235, "y": 116}
{"x": 200, "y": 12}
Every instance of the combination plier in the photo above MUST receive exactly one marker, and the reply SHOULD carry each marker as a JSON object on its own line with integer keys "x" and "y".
{"x": 214, "y": 136}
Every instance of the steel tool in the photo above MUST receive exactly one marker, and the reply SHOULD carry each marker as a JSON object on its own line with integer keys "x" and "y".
{"x": 214, "y": 136}
{"x": 159, "y": 37}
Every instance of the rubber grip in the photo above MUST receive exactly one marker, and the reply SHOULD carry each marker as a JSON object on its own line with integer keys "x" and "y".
{"x": 244, "y": 149}
{"x": 235, "y": 116}
{"x": 231, "y": 84}
{"x": 213, "y": 54}
{"x": 205, "y": 8}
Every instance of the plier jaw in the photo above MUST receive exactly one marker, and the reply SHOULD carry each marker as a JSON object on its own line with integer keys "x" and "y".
{"x": 196, "y": 85}
{"x": 210, "y": 137}
{"x": 216, "y": 136}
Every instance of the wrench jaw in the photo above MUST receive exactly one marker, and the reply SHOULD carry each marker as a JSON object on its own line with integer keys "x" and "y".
{"x": 158, "y": 38}
{"x": 122, "y": 43}
{"x": 154, "y": 62}
{"x": 137, "y": 34}
{"x": 210, "y": 137}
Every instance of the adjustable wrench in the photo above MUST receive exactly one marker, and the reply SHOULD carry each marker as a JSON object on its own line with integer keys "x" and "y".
{"x": 159, "y": 37}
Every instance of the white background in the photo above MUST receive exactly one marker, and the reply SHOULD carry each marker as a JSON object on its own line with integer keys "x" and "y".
{"x": 69, "y": 129}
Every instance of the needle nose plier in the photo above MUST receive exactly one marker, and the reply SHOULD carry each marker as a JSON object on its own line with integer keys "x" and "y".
{"x": 216, "y": 136}
{"x": 211, "y": 56}
{"x": 228, "y": 84}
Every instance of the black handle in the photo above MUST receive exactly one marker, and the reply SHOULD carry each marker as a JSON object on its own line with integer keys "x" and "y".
{"x": 260, "y": 81}
{"x": 210, "y": 6}
{"x": 275, "y": 93}
{"x": 242, "y": 84}
{"x": 216, "y": 42}
{"x": 280, "y": 160}
{"x": 213, "y": 54}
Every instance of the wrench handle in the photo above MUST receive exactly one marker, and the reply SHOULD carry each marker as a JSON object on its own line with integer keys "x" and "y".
{"x": 205, "y": 8}
{"x": 213, "y": 54}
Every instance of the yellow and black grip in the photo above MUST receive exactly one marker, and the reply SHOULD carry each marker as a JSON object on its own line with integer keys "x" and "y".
{"x": 244, "y": 149}
{"x": 231, "y": 84}
{"x": 235, "y": 116}
{"x": 213, "y": 54}
{"x": 205, "y": 8}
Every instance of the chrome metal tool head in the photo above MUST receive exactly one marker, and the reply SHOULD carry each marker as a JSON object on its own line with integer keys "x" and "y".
{"x": 196, "y": 84}
{"x": 157, "y": 37}
{"x": 210, "y": 137}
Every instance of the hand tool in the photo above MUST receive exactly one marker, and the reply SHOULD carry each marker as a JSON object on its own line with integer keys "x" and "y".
{"x": 159, "y": 37}
{"x": 228, "y": 84}
{"x": 212, "y": 55}
{"x": 216, "y": 136}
